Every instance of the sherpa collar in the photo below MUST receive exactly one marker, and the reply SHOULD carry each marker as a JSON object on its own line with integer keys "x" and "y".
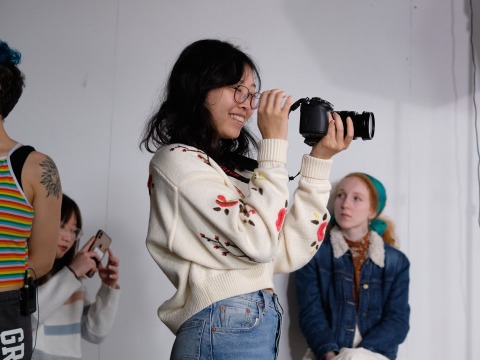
{"x": 376, "y": 249}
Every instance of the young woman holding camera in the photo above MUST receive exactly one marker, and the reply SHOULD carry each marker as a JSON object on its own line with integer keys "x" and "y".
{"x": 220, "y": 223}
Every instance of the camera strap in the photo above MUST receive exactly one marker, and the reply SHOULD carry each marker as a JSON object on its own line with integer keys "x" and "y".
{"x": 242, "y": 162}
{"x": 247, "y": 164}
{"x": 294, "y": 107}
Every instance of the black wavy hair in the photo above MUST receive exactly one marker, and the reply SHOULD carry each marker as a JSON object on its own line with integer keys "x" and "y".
{"x": 12, "y": 81}
{"x": 69, "y": 208}
{"x": 183, "y": 117}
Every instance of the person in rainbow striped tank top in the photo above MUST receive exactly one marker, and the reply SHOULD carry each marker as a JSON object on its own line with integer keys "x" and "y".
{"x": 30, "y": 200}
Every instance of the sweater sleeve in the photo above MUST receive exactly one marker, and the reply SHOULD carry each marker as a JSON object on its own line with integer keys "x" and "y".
{"x": 305, "y": 222}
{"x": 53, "y": 294}
{"x": 201, "y": 216}
{"x": 98, "y": 317}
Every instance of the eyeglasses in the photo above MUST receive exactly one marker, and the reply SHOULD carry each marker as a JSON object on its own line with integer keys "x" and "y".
{"x": 242, "y": 93}
{"x": 75, "y": 234}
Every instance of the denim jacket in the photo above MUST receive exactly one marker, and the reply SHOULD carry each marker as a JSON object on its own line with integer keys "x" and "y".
{"x": 327, "y": 310}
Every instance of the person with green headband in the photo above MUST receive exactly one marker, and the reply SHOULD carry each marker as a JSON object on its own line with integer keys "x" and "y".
{"x": 353, "y": 295}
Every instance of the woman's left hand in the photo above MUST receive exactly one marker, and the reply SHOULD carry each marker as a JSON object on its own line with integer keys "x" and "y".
{"x": 335, "y": 140}
{"x": 109, "y": 273}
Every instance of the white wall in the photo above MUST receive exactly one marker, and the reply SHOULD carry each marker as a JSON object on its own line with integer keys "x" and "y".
{"x": 94, "y": 72}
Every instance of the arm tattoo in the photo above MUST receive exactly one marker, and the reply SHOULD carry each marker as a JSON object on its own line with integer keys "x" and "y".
{"x": 50, "y": 177}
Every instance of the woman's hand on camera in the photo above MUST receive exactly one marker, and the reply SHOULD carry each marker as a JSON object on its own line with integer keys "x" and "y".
{"x": 83, "y": 261}
{"x": 272, "y": 116}
{"x": 109, "y": 273}
{"x": 334, "y": 141}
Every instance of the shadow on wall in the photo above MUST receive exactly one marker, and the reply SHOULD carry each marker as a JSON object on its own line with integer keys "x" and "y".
{"x": 296, "y": 341}
{"x": 391, "y": 38}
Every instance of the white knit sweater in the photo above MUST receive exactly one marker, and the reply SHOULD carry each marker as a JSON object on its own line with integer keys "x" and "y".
{"x": 65, "y": 317}
{"x": 215, "y": 236}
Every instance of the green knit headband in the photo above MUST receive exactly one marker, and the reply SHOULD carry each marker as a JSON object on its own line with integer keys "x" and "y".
{"x": 377, "y": 224}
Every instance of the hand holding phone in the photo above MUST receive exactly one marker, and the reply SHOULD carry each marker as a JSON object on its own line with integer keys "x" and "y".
{"x": 99, "y": 246}
{"x": 108, "y": 273}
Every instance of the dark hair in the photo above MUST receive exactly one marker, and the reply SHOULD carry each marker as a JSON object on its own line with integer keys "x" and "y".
{"x": 69, "y": 208}
{"x": 12, "y": 80}
{"x": 183, "y": 117}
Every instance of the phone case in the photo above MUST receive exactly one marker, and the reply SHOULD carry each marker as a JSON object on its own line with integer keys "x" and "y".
{"x": 100, "y": 245}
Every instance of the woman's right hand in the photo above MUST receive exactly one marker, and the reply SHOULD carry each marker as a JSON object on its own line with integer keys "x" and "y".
{"x": 272, "y": 119}
{"x": 83, "y": 261}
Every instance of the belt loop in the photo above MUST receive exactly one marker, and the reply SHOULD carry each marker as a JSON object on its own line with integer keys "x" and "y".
{"x": 265, "y": 300}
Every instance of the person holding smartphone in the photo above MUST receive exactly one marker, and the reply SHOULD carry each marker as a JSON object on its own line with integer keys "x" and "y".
{"x": 65, "y": 315}
{"x": 30, "y": 198}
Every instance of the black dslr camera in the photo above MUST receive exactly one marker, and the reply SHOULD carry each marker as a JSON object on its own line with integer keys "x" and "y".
{"x": 314, "y": 120}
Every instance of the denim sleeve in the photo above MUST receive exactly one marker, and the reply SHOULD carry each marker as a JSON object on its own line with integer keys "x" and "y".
{"x": 392, "y": 330}
{"x": 313, "y": 312}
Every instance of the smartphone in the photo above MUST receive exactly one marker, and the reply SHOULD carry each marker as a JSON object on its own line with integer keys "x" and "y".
{"x": 100, "y": 245}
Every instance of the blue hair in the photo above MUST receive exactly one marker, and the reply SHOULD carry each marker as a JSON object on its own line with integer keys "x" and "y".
{"x": 9, "y": 55}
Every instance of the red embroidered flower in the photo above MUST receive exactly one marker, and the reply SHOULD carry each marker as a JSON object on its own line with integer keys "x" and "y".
{"x": 223, "y": 202}
{"x": 321, "y": 231}
{"x": 150, "y": 184}
{"x": 280, "y": 218}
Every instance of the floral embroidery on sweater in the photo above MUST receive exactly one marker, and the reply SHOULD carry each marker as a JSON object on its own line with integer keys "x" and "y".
{"x": 320, "y": 231}
{"x": 281, "y": 216}
{"x": 258, "y": 177}
{"x": 150, "y": 185}
{"x": 200, "y": 154}
{"x": 226, "y": 247}
{"x": 224, "y": 203}
{"x": 245, "y": 210}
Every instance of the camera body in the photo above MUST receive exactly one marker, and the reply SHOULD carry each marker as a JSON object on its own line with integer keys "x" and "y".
{"x": 314, "y": 120}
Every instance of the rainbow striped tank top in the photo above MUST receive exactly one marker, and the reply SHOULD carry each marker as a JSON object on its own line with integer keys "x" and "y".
{"x": 16, "y": 218}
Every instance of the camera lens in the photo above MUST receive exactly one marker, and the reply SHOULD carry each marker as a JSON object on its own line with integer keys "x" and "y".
{"x": 363, "y": 124}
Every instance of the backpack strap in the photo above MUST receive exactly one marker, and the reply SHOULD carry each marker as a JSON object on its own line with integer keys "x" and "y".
{"x": 17, "y": 160}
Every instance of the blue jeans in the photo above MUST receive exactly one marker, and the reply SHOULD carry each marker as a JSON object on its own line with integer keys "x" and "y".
{"x": 246, "y": 326}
